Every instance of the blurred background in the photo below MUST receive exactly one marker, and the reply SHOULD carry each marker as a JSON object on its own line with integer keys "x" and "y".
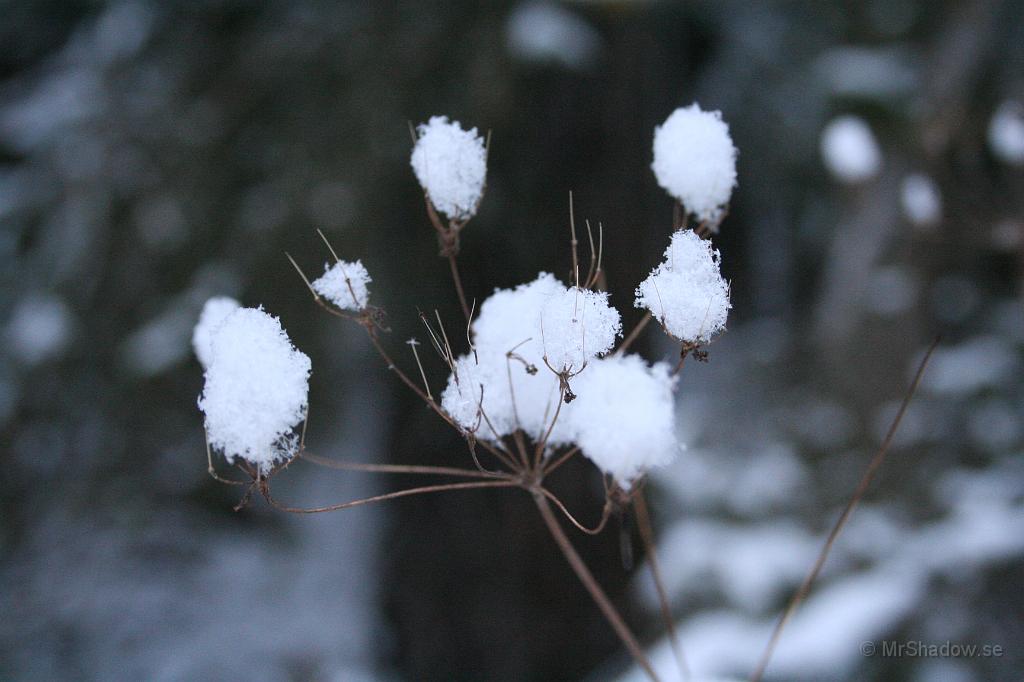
{"x": 153, "y": 154}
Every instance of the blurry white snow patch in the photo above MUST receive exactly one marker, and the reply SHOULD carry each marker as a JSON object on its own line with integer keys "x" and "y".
{"x": 122, "y": 29}
{"x": 695, "y": 161}
{"x": 213, "y": 314}
{"x": 40, "y": 328}
{"x": 995, "y": 425}
{"x": 867, "y": 72}
{"x": 451, "y": 166}
{"x": 687, "y": 293}
{"x": 772, "y": 479}
{"x": 345, "y": 285}
{"x": 972, "y": 366}
{"x": 160, "y": 343}
{"x": 891, "y": 291}
{"x": 257, "y": 387}
{"x": 623, "y": 418}
{"x": 921, "y": 200}
{"x": 849, "y": 150}
{"x": 546, "y": 32}
{"x": 1006, "y": 133}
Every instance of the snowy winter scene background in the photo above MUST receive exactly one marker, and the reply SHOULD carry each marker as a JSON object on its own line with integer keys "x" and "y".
{"x": 222, "y": 223}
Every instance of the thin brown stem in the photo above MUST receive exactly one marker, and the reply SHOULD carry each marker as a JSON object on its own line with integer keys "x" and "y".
{"x": 471, "y": 485}
{"x": 628, "y": 341}
{"x": 598, "y": 594}
{"x": 561, "y": 460}
{"x": 331, "y": 463}
{"x": 457, "y": 278}
{"x": 643, "y": 522}
{"x": 858, "y": 494}
{"x": 606, "y": 513}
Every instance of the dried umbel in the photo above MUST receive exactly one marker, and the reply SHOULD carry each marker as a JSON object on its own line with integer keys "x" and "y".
{"x": 534, "y": 374}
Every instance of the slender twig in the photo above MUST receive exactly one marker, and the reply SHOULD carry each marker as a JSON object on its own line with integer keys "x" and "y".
{"x": 858, "y": 493}
{"x": 587, "y": 578}
{"x": 643, "y": 522}
{"x": 606, "y": 513}
{"x": 213, "y": 472}
{"x": 574, "y": 244}
{"x": 628, "y": 341}
{"x": 332, "y": 463}
{"x": 457, "y": 278}
{"x": 471, "y": 485}
{"x": 561, "y": 460}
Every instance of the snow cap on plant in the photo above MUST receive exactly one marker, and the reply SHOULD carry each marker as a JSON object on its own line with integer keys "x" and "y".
{"x": 213, "y": 313}
{"x": 345, "y": 285}
{"x": 695, "y": 161}
{"x": 257, "y": 389}
{"x": 624, "y": 416}
{"x": 451, "y": 166}
{"x": 577, "y": 325}
{"x": 687, "y": 293}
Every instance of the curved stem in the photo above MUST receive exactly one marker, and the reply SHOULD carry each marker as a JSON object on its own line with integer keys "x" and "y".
{"x": 587, "y": 578}
{"x": 471, "y": 485}
{"x": 858, "y": 493}
{"x": 606, "y": 513}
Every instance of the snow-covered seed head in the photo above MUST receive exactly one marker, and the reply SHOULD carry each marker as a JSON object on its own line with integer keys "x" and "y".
{"x": 451, "y": 166}
{"x": 345, "y": 285}
{"x": 624, "y": 417}
{"x": 849, "y": 150}
{"x": 213, "y": 313}
{"x": 687, "y": 293}
{"x": 257, "y": 389}
{"x": 577, "y": 325}
{"x": 695, "y": 161}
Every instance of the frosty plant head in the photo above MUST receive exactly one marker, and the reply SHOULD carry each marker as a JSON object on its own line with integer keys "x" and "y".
{"x": 257, "y": 388}
{"x": 532, "y": 376}
{"x": 451, "y": 166}
{"x": 695, "y": 162}
{"x": 686, "y": 292}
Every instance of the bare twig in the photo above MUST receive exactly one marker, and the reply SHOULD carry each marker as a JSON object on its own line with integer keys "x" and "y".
{"x": 598, "y": 594}
{"x": 331, "y": 463}
{"x": 628, "y": 341}
{"x": 561, "y": 460}
{"x": 858, "y": 493}
{"x": 606, "y": 513}
{"x": 471, "y": 485}
{"x": 643, "y": 522}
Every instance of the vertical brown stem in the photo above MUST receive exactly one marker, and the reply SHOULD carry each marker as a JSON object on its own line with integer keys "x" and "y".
{"x": 587, "y": 578}
{"x": 643, "y": 522}
{"x": 458, "y": 285}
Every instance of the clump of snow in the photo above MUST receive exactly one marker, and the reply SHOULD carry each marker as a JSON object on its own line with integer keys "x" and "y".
{"x": 508, "y": 321}
{"x": 1006, "y": 133}
{"x": 577, "y": 325}
{"x": 849, "y": 150}
{"x": 257, "y": 389}
{"x": 624, "y": 416}
{"x": 695, "y": 160}
{"x": 548, "y": 32}
{"x": 213, "y": 314}
{"x": 451, "y": 166}
{"x": 39, "y": 329}
{"x": 921, "y": 200}
{"x": 687, "y": 293}
{"x": 345, "y": 285}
